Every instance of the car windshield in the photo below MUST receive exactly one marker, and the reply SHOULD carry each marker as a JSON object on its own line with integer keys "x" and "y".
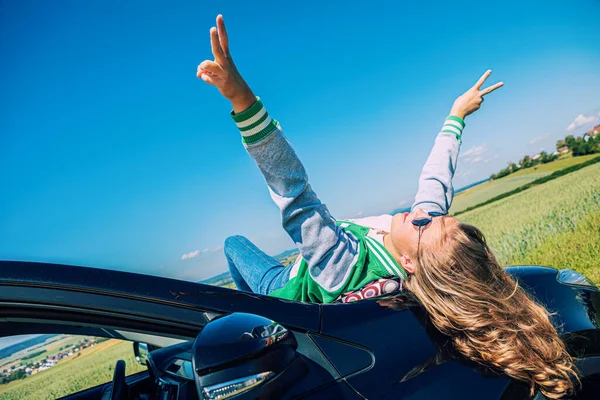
{"x": 118, "y": 153}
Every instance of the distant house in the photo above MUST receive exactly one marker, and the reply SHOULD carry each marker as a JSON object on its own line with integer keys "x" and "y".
{"x": 591, "y": 133}
{"x": 564, "y": 149}
{"x": 536, "y": 156}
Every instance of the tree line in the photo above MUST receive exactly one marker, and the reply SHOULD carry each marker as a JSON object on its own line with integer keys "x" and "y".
{"x": 580, "y": 146}
{"x": 577, "y": 146}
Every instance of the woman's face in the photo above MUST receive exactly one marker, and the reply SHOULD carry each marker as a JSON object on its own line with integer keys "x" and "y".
{"x": 405, "y": 236}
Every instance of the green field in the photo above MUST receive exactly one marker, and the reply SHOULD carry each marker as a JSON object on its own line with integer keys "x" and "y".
{"x": 93, "y": 367}
{"x": 555, "y": 224}
{"x": 488, "y": 190}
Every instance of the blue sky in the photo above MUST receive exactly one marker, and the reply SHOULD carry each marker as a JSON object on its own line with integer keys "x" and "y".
{"x": 114, "y": 155}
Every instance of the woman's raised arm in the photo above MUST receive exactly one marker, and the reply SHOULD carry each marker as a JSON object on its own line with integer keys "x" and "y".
{"x": 435, "y": 191}
{"x": 328, "y": 250}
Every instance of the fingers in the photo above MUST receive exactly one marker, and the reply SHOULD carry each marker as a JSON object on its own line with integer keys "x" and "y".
{"x": 216, "y": 46}
{"x": 209, "y": 79}
{"x": 491, "y": 88}
{"x": 222, "y": 33}
{"x": 482, "y": 79}
{"x": 212, "y": 67}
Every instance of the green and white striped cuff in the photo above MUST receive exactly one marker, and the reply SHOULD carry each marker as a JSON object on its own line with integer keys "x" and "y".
{"x": 454, "y": 125}
{"x": 254, "y": 123}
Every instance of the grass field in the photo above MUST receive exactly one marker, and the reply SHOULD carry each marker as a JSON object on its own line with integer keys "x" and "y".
{"x": 555, "y": 224}
{"x": 93, "y": 367}
{"x": 488, "y": 190}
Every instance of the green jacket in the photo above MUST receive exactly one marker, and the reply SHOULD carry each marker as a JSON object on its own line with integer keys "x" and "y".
{"x": 372, "y": 262}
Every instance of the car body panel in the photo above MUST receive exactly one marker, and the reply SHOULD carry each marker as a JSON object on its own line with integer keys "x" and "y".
{"x": 152, "y": 291}
{"x": 396, "y": 351}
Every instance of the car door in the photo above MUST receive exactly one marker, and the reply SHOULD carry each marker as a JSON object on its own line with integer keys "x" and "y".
{"x": 37, "y": 298}
{"x": 173, "y": 306}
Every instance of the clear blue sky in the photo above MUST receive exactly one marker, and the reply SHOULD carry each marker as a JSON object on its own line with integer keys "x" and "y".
{"x": 114, "y": 155}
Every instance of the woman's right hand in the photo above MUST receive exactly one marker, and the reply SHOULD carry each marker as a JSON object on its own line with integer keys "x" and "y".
{"x": 471, "y": 100}
{"x": 222, "y": 72}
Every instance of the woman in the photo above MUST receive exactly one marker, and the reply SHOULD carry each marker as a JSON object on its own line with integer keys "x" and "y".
{"x": 446, "y": 264}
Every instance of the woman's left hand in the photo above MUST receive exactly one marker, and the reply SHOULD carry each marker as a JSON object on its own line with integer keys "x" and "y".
{"x": 222, "y": 72}
{"x": 471, "y": 100}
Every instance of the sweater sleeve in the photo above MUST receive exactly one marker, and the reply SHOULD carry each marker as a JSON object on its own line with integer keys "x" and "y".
{"x": 329, "y": 251}
{"x": 435, "y": 191}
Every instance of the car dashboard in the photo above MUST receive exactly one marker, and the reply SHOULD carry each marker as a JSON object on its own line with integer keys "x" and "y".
{"x": 171, "y": 369}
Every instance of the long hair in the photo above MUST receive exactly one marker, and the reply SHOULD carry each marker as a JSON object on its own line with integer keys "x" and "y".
{"x": 490, "y": 319}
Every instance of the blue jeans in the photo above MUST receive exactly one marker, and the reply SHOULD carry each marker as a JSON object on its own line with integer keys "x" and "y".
{"x": 251, "y": 269}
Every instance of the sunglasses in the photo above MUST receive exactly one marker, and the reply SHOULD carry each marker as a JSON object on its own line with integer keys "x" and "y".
{"x": 420, "y": 223}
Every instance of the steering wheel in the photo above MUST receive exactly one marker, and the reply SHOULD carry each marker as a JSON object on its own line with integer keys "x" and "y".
{"x": 119, "y": 387}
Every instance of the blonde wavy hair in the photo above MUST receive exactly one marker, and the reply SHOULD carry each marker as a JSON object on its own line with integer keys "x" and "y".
{"x": 490, "y": 319}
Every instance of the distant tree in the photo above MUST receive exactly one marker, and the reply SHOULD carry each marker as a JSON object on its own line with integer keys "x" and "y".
{"x": 595, "y": 143}
{"x": 577, "y": 148}
{"x": 545, "y": 157}
{"x": 503, "y": 172}
{"x": 13, "y": 368}
{"x": 570, "y": 140}
{"x": 525, "y": 162}
{"x": 20, "y": 374}
{"x": 581, "y": 147}
{"x": 560, "y": 143}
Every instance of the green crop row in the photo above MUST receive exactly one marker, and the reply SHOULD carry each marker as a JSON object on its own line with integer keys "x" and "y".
{"x": 555, "y": 224}
{"x": 539, "y": 181}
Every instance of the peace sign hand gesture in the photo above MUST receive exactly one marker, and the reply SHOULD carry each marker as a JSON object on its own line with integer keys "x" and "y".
{"x": 471, "y": 100}
{"x": 222, "y": 72}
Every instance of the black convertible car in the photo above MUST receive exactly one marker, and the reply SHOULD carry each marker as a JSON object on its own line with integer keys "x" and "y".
{"x": 205, "y": 342}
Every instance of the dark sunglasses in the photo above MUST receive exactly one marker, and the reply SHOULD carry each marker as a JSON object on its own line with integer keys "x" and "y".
{"x": 420, "y": 223}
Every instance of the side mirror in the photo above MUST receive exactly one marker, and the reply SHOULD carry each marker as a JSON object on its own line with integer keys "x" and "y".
{"x": 141, "y": 351}
{"x": 247, "y": 356}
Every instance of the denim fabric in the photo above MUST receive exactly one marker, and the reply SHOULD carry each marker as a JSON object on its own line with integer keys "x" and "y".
{"x": 251, "y": 269}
